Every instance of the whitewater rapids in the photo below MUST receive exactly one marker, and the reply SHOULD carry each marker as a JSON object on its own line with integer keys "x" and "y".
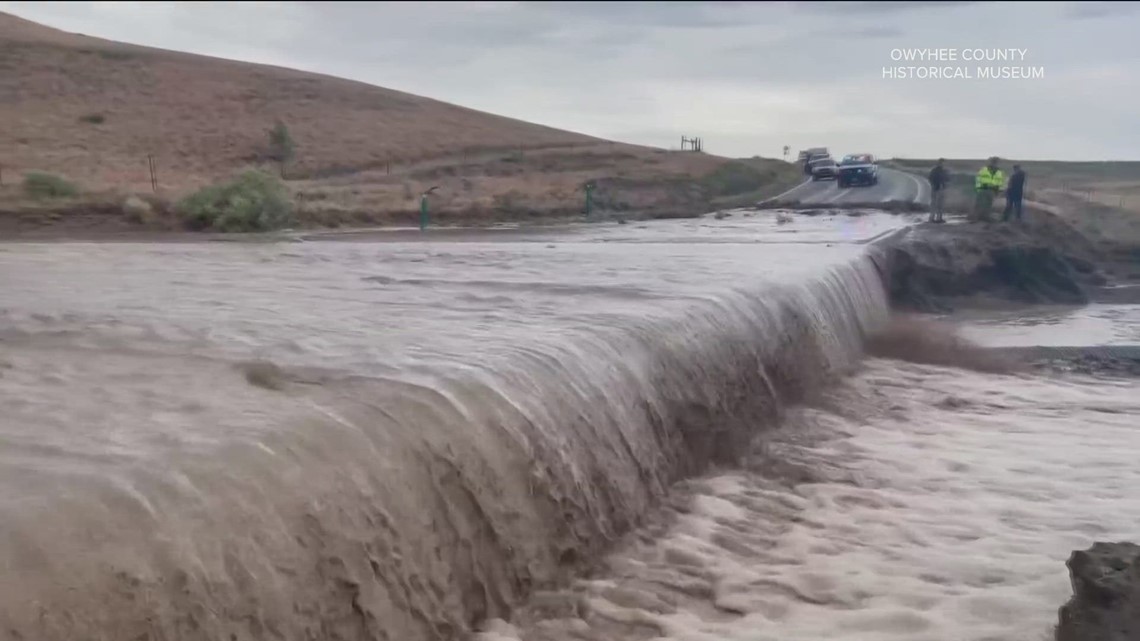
{"x": 522, "y": 438}
{"x": 382, "y": 440}
{"x": 908, "y": 502}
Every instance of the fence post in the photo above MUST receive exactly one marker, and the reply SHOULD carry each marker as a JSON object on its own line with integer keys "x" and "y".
{"x": 153, "y": 174}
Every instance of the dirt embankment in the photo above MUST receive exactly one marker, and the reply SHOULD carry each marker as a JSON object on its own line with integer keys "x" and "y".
{"x": 1057, "y": 256}
{"x": 1106, "y": 594}
{"x": 935, "y": 268}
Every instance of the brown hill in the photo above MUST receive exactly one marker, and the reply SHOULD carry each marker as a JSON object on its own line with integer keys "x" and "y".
{"x": 203, "y": 117}
{"x": 93, "y": 110}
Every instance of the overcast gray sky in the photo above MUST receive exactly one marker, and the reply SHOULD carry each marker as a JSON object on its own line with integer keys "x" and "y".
{"x": 747, "y": 77}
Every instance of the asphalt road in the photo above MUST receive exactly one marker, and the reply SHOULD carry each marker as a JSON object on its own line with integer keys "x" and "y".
{"x": 893, "y": 185}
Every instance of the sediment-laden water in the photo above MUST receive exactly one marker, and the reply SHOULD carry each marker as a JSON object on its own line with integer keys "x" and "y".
{"x": 401, "y": 440}
{"x": 379, "y": 440}
{"x": 908, "y": 502}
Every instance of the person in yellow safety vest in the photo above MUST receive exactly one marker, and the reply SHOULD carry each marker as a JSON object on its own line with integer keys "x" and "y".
{"x": 986, "y": 186}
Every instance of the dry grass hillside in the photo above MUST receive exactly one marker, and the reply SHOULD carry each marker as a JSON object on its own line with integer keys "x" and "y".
{"x": 91, "y": 111}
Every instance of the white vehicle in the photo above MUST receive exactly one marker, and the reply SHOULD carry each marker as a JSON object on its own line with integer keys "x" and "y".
{"x": 823, "y": 168}
{"x": 808, "y": 154}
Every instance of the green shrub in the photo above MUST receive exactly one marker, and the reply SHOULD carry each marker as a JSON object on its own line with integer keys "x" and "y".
{"x": 42, "y": 185}
{"x": 254, "y": 201}
{"x": 93, "y": 119}
{"x": 282, "y": 148}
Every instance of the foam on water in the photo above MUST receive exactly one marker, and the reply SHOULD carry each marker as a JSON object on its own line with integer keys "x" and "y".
{"x": 913, "y": 502}
{"x": 451, "y": 426}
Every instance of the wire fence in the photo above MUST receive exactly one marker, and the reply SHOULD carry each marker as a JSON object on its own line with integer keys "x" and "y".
{"x": 148, "y": 171}
{"x": 1086, "y": 193}
{"x": 144, "y": 175}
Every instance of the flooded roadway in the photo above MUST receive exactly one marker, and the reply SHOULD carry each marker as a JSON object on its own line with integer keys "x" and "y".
{"x": 382, "y": 439}
{"x": 401, "y": 439}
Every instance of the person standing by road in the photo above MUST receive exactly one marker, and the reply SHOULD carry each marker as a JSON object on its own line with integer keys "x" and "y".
{"x": 938, "y": 178}
{"x": 987, "y": 184}
{"x": 1014, "y": 192}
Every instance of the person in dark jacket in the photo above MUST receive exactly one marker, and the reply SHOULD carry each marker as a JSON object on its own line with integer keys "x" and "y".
{"x": 1014, "y": 192}
{"x": 938, "y": 178}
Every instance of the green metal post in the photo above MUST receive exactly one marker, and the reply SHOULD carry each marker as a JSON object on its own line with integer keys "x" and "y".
{"x": 589, "y": 198}
{"x": 423, "y": 212}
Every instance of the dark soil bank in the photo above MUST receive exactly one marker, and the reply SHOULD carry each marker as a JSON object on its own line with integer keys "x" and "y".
{"x": 1106, "y": 594}
{"x": 933, "y": 268}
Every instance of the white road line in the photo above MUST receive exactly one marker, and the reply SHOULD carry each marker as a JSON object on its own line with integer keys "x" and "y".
{"x": 839, "y": 193}
{"x": 893, "y": 188}
{"x": 920, "y": 185}
{"x": 813, "y": 195}
{"x": 793, "y": 189}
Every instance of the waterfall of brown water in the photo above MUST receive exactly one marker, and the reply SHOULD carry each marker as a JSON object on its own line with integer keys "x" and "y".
{"x": 406, "y": 502}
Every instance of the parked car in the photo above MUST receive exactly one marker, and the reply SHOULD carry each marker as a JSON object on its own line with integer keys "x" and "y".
{"x": 822, "y": 168}
{"x": 857, "y": 169}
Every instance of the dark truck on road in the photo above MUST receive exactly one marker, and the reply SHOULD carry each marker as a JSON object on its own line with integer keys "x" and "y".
{"x": 858, "y": 169}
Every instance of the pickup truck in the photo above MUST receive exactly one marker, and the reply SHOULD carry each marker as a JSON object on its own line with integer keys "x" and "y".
{"x": 857, "y": 169}
{"x": 822, "y": 168}
{"x": 807, "y": 155}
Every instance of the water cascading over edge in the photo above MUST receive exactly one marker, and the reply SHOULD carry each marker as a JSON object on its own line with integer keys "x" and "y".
{"x": 411, "y": 509}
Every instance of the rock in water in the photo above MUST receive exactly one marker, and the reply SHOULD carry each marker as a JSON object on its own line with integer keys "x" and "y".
{"x": 1106, "y": 594}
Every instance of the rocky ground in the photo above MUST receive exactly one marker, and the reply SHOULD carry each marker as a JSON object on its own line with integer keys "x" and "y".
{"x": 1106, "y": 594}
{"x": 937, "y": 268}
{"x": 1110, "y": 361}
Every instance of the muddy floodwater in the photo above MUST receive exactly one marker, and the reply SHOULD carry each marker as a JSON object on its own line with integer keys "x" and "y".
{"x": 404, "y": 439}
{"x": 1095, "y": 324}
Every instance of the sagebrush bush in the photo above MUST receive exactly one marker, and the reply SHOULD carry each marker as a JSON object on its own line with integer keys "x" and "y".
{"x": 38, "y": 184}
{"x": 137, "y": 210}
{"x": 254, "y": 201}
